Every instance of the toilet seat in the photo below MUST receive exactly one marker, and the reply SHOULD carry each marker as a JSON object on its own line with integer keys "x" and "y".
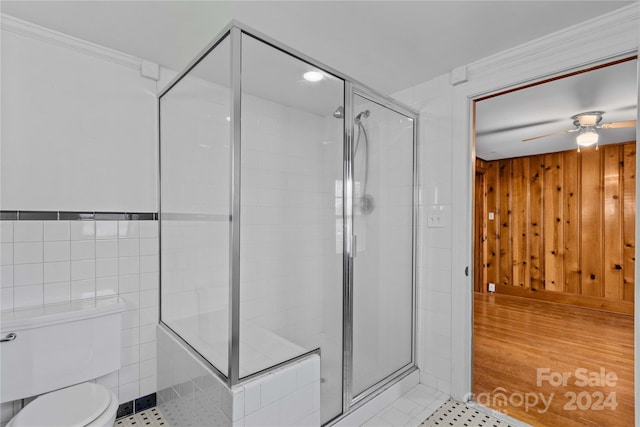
{"x": 76, "y": 406}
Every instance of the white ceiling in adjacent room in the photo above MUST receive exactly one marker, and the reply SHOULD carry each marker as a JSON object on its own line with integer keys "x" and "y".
{"x": 503, "y": 122}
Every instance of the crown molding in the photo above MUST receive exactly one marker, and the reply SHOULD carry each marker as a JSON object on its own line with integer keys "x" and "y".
{"x": 612, "y": 35}
{"x": 36, "y": 32}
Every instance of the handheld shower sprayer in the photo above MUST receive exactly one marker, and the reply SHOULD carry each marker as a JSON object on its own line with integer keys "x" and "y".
{"x": 366, "y": 201}
{"x": 364, "y": 113}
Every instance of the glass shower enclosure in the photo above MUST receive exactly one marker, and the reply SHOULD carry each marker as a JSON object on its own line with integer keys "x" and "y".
{"x": 288, "y": 215}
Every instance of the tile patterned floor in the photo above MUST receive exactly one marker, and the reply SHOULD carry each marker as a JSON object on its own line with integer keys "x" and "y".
{"x": 422, "y": 406}
{"x": 410, "y": 410}
{"x": 151, "y": 417}
{"x": 456, "y": 414}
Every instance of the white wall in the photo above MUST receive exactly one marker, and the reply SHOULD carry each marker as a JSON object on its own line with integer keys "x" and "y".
{"x": 78, "y": 133}
{"x": 78, "y": 125}
{"x": 433, "y": 100}
{"x": 445, "y": 325}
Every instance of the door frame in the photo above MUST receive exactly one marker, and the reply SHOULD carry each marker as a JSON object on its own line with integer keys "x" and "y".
{"x": 604, "y": 39}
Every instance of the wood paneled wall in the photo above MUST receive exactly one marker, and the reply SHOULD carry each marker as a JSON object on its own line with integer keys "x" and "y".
{"x": 563, "y": 226}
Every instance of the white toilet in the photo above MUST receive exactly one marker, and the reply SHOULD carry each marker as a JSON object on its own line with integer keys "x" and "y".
{"x": 52, "y": 351}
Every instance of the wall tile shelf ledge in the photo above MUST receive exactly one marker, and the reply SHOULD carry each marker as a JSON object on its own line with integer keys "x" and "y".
{"x": 76, "y": 216}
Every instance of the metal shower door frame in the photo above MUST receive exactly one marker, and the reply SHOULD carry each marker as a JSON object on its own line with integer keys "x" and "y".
{"x": 349, "y": 401}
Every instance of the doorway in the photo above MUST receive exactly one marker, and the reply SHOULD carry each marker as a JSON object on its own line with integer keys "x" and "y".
{"x": 554, "y": 233}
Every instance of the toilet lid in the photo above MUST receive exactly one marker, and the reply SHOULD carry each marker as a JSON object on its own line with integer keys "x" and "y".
{"x": 74, "y": 406}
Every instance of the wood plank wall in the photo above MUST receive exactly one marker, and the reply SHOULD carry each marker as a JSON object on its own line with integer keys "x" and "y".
{"x": 563, "y": 226}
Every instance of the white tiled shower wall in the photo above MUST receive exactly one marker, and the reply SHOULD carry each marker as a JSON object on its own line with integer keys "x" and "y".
{"x": 288, "y": 252}
{"x": 289, "y": 261}
{"x": 46, "y": 262}
{"x": 290, "y": 266}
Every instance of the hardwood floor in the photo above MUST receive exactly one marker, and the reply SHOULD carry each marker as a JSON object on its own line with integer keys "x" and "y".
{"x": 514, "y": 337}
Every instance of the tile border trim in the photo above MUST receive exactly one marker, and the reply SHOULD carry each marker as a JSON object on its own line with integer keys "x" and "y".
{"x": 137, "y": 405}
{"x": 76, "y": 216}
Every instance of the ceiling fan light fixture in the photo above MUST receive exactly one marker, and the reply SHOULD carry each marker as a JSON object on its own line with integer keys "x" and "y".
{"x": 589, "y": 118}
{"x": 587, "y": 137}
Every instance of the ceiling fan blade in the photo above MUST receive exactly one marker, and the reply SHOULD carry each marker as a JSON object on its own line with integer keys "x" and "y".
{"x": 614, "y": 125}
{"x": 514, "y": 127}
{"x": 550, "y": 134}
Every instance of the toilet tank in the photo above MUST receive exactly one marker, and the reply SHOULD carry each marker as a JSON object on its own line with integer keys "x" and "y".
{"x": 58, "y": 345}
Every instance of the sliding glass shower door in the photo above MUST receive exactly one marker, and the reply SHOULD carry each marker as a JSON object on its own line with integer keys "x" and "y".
{"x": 383, "y": 214}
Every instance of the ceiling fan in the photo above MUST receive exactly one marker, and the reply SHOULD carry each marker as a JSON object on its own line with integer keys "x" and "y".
{"x": 587, "y": 124}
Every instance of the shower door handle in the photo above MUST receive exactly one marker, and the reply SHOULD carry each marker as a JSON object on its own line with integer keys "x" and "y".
{"x": 354, "y": 246}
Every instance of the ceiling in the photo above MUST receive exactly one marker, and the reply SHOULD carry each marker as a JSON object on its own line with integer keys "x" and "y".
{"x": 502, "y": 122}
{"x": 387, "y": 45}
